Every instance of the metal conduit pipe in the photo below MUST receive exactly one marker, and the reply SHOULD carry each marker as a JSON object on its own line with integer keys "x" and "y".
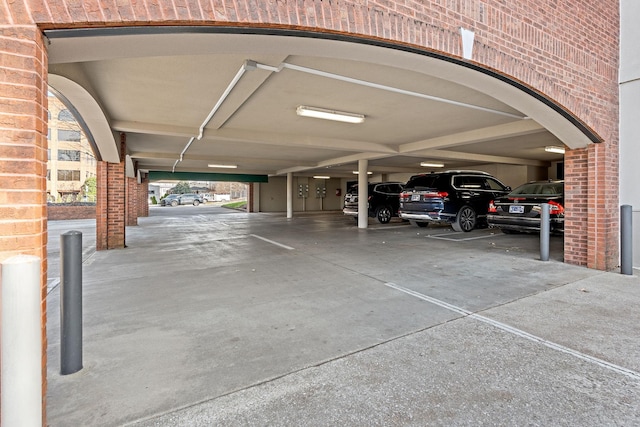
{"x": 247, "y": 65}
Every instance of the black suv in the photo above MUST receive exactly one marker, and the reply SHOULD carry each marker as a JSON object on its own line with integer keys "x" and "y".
{"x": 384, "y": 199}
{"x": 460, "y": 198}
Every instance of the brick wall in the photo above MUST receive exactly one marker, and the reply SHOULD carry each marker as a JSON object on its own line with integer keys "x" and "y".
{"x": 62, "y": 212}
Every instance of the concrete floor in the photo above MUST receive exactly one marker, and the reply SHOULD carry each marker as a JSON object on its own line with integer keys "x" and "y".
{"x": 218, "y": 317}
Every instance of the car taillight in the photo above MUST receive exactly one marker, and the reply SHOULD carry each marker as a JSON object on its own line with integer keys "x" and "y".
{"x": 404, "y": 197}
{"x": 555, "y": 208}
{"x": 443, "y": 194}
{"x": 492, "y": 207}
{"x": 515, "y": 199}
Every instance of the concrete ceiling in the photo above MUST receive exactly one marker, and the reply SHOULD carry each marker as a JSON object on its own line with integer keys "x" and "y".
{"x": 159, "y": 87}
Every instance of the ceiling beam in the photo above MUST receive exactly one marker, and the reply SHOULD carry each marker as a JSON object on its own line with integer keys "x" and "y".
{"x": 508, "y": 130}
{"x": 482, "y": 158}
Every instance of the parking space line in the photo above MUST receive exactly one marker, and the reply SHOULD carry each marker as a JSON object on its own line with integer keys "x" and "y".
{"x": 272, "y": 242}
{"x": 441, "y": 237}
{"x": 515, "y": 331}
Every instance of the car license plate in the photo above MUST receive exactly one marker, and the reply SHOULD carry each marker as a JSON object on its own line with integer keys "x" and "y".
{"x": 415, "y": 197}
{"x": 516, "y": 209}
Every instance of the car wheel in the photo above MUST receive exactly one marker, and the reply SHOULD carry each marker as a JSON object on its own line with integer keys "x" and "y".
{"x": 174, "y": 203}
{"x": 196, "y": 202}
{"x": 465, "y": 220}
{"x": 383, "y": 213}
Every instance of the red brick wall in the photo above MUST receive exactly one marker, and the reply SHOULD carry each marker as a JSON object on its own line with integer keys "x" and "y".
{"x": 62, "y": 212}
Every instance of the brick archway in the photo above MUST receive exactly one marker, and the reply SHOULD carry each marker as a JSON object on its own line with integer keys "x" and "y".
{"x": 545, "y": 46}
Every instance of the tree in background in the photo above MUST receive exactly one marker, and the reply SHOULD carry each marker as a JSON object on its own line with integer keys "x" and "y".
{"x": 181, "y": 188}
{"x": 89, "y": 189}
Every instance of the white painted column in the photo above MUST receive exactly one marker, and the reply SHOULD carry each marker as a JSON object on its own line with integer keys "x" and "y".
{"x": 363, "y": 194}
{"x": 289, "y": 194}
{"x": 21, "y": 342}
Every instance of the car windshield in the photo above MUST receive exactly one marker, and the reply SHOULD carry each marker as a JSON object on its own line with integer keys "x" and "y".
{"x": 539, "y": 189}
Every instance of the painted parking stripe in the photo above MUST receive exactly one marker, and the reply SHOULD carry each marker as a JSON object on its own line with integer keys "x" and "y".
{"x": 272, "y": 242}
{"x": 603, "y": 363}
{"x": 448, "y": 237}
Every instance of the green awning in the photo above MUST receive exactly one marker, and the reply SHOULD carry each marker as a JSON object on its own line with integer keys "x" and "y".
{"x": 205, "y": 176}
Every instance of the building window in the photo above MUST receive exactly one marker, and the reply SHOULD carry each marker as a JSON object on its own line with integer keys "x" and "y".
{"x": 67, "y": 175}
{"x": 66, "y": 116}
{"x": 69, "y": 155}
{"x": 68, "y": 135}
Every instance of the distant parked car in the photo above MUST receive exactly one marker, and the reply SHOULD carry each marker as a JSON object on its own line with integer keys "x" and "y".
{"x": 182, "y": 199}
{"x": 383, "y": 201}
{"x": 460, "y": 198}
{"x": 207, "y": 197}
{"x": 169, "y": 199}
{"x": 520, "y": 210}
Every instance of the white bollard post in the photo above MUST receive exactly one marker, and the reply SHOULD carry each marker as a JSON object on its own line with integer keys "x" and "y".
{"x": 21, "y": 342}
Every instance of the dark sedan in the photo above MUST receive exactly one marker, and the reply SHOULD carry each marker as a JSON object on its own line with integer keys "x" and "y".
{"x": 519, "y": 211}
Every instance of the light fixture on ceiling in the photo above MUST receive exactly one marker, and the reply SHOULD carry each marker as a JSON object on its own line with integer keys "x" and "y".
{"x": 321, "y": 113}
{"x": 432, "y": 165}
{"x": 368, "y": 173}
{"x": 554, "y": 149}
{"x": 321, "y": 177}
{"x": 223, "y": 166}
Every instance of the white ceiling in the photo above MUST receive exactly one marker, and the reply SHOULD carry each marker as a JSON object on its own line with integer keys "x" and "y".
{"x": 160, "y": 87}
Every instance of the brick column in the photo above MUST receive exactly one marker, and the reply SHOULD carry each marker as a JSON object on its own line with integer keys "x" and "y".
{"x": 131, "y": 213}
{"x": 23, "y": 154}
{"x": 111, "y": 202}
{"x": 143, "y": 199}
{"x": 591, "y": 236}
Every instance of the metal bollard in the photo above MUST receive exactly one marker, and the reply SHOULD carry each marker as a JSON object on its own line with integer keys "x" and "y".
{"x": 21, "y": 342}
{"x": 545, "y": 231}
{"x": 626, "y": 240}
{"x": 70, "y": 302}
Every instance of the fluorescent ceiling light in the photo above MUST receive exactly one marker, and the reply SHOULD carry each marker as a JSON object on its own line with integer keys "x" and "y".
{"x": 554, "y": 149}
{"x": 321, "y": 113}
{"x": 432, "y": 165}
{"x": 368, "y": 173}
{"x": 321, "y": 177}
{"x": 224, "y": 166}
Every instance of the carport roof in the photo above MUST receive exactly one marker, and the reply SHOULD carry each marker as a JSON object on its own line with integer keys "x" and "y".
{"x": 192, "y": 97}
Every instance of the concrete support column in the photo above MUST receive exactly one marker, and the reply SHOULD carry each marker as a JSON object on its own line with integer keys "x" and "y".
{"x": 289, "y": 194}
{"x": 111, "y": 202}
{"x": 363, "y": 194}
{"x": 253, "y": 198}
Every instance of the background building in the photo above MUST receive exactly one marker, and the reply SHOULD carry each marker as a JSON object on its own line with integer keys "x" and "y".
{"x": 71, "y": 166}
